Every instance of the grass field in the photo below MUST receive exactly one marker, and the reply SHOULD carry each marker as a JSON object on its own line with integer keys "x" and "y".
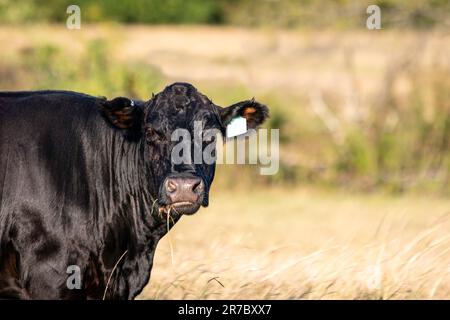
{"x": 291, "y": 244}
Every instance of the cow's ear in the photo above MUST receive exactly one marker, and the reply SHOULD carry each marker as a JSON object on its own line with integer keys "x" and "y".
{"x": 254, "y": 112}
{"x": 122, "y": 113}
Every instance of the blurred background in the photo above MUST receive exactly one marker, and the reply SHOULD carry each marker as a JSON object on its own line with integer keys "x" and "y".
{"x": 359, "y": 207}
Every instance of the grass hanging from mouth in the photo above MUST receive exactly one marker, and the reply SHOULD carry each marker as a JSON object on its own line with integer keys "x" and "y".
{"x": 167, "y": 209}
{"x": 154, "y": 202}
{"x": 168, "y": 235}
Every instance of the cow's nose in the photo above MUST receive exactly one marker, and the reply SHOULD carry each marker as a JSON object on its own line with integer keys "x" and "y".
{"x": 184, "y": 189}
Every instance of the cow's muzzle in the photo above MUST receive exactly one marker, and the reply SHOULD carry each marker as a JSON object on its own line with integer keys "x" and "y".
{"x": 182, "y": 193}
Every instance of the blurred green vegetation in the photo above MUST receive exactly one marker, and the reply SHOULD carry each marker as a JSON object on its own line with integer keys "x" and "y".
{"x": 46, "y": 66}
{"x": 277, "y": 13}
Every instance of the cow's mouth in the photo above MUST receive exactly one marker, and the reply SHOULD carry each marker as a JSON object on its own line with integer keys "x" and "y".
{"x": 185, "y": 207}
{"x": 181, "y": 207}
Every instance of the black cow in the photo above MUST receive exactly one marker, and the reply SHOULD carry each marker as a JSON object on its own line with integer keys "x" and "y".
{"x": 87, "y": 184}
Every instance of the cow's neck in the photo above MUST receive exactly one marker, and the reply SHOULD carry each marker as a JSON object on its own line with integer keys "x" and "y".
{"x": 135, "y": 224}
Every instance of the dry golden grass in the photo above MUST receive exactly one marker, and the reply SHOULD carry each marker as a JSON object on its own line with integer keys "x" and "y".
{"x": 302, "y": 244}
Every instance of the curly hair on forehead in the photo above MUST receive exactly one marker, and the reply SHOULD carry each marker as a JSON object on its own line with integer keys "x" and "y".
{"x": 181, "y": 95}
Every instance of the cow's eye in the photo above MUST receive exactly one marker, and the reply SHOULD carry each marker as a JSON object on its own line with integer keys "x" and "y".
{"x": 153, "y": 136}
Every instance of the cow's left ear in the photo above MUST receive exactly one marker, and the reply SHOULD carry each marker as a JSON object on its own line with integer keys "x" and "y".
{"x": 122, "y": 113}
{"x": 254, "y": 112}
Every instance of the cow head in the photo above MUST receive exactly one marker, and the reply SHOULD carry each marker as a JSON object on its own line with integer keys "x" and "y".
{"x": 176, "y": 116}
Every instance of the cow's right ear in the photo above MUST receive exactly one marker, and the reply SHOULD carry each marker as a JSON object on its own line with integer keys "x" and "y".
{"x": 121, "y": 113}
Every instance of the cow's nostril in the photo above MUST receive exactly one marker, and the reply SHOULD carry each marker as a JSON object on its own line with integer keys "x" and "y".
{"x": 171, "y": 186}
{"x": 197, "y": 186}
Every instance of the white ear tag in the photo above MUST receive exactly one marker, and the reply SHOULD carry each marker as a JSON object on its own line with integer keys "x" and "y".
{"x": 236, "y": 127}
